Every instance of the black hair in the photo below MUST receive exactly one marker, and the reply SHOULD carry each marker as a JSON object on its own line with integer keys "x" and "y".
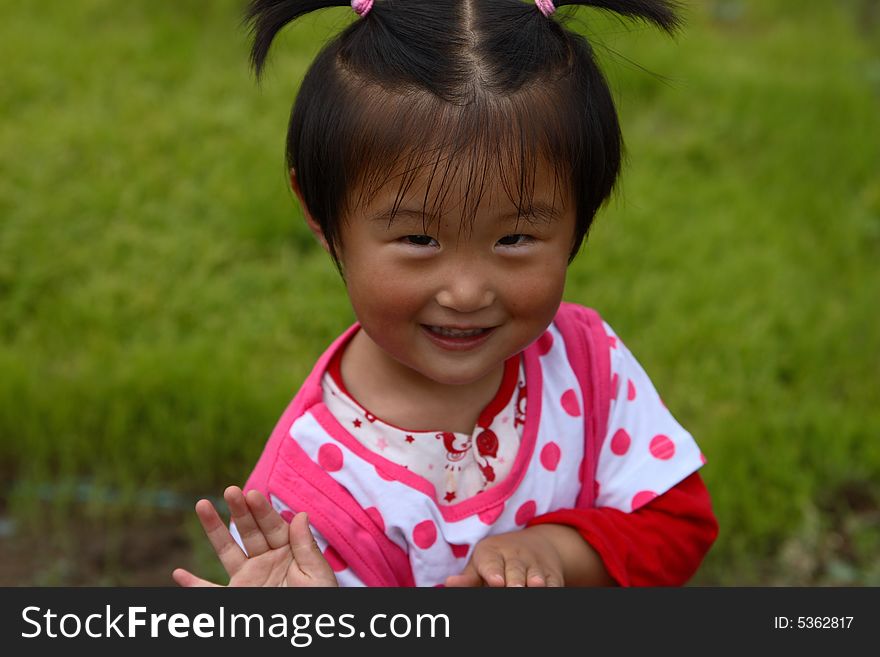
{"x": 459, "y": 86}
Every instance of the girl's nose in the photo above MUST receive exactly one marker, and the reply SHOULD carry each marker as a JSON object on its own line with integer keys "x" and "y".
{"x": 465, "y": 291}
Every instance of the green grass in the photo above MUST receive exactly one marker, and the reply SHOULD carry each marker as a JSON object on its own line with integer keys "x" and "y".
{"x": 161, "y": 298}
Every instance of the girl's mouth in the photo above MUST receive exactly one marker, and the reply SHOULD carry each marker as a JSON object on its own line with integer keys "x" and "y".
{"x": 457, "y": 339}
{"x": 455, "y": 332}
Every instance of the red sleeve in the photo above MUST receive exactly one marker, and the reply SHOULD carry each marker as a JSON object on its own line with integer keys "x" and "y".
{"x": 659, "y": 544}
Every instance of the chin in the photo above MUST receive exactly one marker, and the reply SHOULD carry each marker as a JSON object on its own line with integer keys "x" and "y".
{"x": 455, "y": 378}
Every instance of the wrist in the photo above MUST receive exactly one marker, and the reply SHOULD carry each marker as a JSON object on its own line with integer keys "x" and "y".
{"x": 581, "y": 563}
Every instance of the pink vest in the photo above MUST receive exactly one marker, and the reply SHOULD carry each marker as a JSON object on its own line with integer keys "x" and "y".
{"x": 386, "y": 523}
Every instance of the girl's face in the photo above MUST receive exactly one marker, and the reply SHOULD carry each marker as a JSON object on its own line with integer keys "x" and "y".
{"x": 453, "y": 301}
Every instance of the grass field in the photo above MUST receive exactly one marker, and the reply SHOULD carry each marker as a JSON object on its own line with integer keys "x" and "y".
{"x": 161, "y": 298}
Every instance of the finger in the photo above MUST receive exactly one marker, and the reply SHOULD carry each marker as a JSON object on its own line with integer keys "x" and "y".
{"x": 490, "y": 566}
{"x": 271, "y": 524}
{"x": 224, "y": 545}
{"x": 535, "y": 577}
{"x": 187, "y": 579}
{"x": 555, "y": 580}
{"x": 308, "y": 555}
{"x": 252, "y": 537}
{"x": 514, "y": 572}
{"x": 469, "y": 577}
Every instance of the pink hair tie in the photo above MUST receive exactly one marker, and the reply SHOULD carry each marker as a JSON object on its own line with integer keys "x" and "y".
{"x": 546, "y": 6}
{"x": 362, "y": 7}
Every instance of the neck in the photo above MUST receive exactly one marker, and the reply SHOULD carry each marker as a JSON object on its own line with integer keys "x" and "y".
{"x": 404, "y": 397}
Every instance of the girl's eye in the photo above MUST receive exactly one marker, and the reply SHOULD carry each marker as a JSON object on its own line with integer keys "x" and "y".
{"x": 517, "y": 239}
{"x": 419, "y": 240}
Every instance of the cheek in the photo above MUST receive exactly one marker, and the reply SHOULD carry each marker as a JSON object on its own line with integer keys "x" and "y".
{"x": 380, "y": 295}
{"x": 537, "y": 295}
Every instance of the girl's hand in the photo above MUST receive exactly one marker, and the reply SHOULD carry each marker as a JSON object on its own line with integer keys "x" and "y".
{"x": 521, "y": 558}
{"x": 278, "y": 554}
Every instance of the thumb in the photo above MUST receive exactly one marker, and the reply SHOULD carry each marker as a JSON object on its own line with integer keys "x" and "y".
{"x": 188, "y": 580}
{"x": 469, "y": 577}
{"x": 307, "y": 554}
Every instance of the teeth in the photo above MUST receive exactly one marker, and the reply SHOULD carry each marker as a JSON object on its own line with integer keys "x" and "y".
{"x": 455, "y": 333}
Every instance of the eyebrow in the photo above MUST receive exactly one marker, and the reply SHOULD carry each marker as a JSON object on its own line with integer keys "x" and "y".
{"x": 537, "y": 211}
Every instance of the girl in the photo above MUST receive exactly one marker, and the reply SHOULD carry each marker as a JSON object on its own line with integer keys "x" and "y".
{"x": 470, "y": 428}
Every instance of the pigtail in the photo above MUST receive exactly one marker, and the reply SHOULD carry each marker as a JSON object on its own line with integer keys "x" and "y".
{"x": 267, "y": 17}
{"x": 665, "y": 14}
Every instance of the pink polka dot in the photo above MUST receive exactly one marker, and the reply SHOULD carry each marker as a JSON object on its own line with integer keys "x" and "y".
{"x": 286, "y": 515}
{"x": 550, "y": 456}
{"x": 489, "y": 516}
{"x": 425, "y": 534}
{"x": 612, "y": 342}
{"x": 620, "y": 442}
{"x": 545, "y": 343}
{"x": 615, "y": 385}
{"x": 336, "y": 562}
{"x": 642, "y": 498}
{"x": 526, "y": 512}
{"x": 376, "y": 517}
{"x": 384, "y": 475}
{"x": 330, "y": 457}
{"x": 630, "y": 390}
{"x": 702, "y": 459}
{"x": 570, "y": 404}
{"x": 662, "y": 447}
{"x": 459, "y": 551}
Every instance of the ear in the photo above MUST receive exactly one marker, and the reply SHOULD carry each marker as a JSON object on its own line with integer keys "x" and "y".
{"x": 314, "y": 226}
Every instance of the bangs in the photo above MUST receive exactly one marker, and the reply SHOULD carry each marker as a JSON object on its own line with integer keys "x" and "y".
{"x": 455, "y": 149}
